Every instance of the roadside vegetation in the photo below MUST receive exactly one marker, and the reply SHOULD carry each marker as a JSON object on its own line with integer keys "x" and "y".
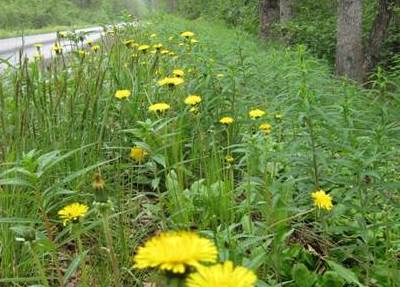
{"x": 21, "y": 17}
{"x": 181, "y": 152}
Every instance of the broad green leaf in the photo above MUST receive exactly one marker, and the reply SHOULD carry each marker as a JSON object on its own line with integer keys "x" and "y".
{"x": 74, "y": 266}
{"x": 345, "y": 273}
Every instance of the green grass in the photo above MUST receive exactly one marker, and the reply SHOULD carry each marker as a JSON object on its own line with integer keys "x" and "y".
{"x": 62, "y": 125}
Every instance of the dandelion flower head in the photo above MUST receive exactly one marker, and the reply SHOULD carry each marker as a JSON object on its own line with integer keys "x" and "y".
{"x": 256, "y": 113}
{"x": 122, "y": 94}
{"x": 187, "y": 34}
{"x": 171, "y": 81}
{"x": 159, "y": 107}
{"x": 72, "y": 212}
{"x": 222, "y": 275}
{"x": 175, "y": 252}
{"x": 193, "y": 100}
{"x": 226, "y": 120}
{"x": 138, "y": 154}
{"x": 322, "y": 200}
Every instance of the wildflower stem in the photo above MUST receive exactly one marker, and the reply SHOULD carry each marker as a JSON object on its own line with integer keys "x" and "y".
{"x": 314, "y": 152}
{"x": 113, "y": 257}
{"x": 84, "y": 275}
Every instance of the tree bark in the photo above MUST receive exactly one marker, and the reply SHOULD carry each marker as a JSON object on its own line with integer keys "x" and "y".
{"x": 378, "y": 33}
{"x": 269, "y": 14}
{"x": 172, "y": 5}
{"x": 286, "y": 12}
{"x": 349, "y": 51}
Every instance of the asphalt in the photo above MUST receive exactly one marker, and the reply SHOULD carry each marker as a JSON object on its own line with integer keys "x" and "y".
{"x": 12, "y": 49}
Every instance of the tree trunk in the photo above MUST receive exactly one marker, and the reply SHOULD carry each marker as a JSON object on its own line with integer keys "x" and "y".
{"x": 378, "y": 34}
{"x": 172, "y": 5}
{"x": 269, "y": 14}
{"x": 286, "y": 12}
{"x": 349, "y": 52}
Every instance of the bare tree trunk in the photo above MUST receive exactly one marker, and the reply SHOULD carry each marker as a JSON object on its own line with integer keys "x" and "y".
{"x": 172, "y": 5}
{"x": 349, "y": 51}
{"x": 269, "y": 14}
{"x": 286, "y": 12}
{"x": 378, "y": 33}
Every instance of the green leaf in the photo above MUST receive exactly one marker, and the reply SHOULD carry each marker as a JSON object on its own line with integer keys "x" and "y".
{"x": 16, "y": 220}
{"x": 332, "y": 279}
{"x": 345, "y": 273}
{"x": 50, "y": 159}
{"x": 302, "y": 276}
{"x": 74, "y": 266}
{"x": 16, "y": 181}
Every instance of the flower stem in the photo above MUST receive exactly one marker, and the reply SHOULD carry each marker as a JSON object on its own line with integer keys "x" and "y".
{"x": 84, "y": 275}
{"x": 113, "y": 257}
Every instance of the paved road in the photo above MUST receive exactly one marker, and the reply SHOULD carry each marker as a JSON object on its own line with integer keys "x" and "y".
{"x": 11, "y": 48}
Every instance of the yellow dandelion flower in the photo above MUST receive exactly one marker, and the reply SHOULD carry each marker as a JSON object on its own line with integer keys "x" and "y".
{"x": 73, "y": 212}
{"x": 193, "y": 100}
{"x": 194, "y": 110}
{"x": 178, "y": 73}
{"x": 226, "y": 120}
{"x": 122, "y": 94}
{"x": 38, "y": 56}
{"x": 138, "y": 154}
{"x": 63, "y": 34}
{"x": 82, "y": 54}
{"x": 89, "y": 43}
{"x": 322, "y": 200}
{"x": 128, "y": 43}
{"x": 256, "y": 113}
{"x": 158, "y": 47}
{"x": 265, "y": 128}
{"x": 159, "y": 107}
{"x": 57, "y": 49}
{"x": 95, "y": 48}
{"x": 171, "y": 81}
{"x": 187, "y": 34}
{"x": 229, "y": 158}
{"x": 222, "y": 275}
{"x": 143, "y": 48}
{"x": 175, "y": 252}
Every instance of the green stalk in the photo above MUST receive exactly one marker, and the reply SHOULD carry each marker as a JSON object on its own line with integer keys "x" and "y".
{"x": 39, "y": 266}
{"x": 84, "y": 275}
{"x": 113, "y": 258}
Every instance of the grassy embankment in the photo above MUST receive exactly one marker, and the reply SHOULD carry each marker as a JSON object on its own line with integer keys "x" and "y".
{"x": 245, "y": 188}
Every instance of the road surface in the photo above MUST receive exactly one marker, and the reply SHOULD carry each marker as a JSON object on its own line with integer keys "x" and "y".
{"x": 11, "y": 48}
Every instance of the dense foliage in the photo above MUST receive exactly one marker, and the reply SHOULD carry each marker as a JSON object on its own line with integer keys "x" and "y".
{"x": 134, "y": 157}
{"x": 313, "y": 23}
